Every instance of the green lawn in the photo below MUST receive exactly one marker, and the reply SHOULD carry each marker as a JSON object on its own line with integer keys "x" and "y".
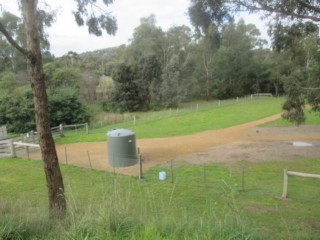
{"x": 183, "y": 122}
{"x": 200, "y": 202}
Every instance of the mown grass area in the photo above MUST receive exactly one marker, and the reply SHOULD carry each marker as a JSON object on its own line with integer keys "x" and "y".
{"x": 188, "y": 121}
{"x": 312, "y": 118}
{"x": 239, "y": 201}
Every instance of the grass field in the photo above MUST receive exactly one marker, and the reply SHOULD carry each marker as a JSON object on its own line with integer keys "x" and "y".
{"x": 228, "y": 205}
{"x": 213, "y": 201}
{"x": 187, "y": 121}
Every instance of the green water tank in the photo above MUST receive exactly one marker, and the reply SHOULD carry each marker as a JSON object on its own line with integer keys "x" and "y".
{"x": 122, "y": 150}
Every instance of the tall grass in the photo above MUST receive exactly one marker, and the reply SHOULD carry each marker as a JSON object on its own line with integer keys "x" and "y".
{"x": 106, "y": 206}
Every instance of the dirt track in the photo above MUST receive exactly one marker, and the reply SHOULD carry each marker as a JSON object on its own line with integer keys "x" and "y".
{"x": 242, "y": 142}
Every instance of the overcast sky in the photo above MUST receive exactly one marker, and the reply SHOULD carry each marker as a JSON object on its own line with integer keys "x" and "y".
{"x": 66, "y": 36}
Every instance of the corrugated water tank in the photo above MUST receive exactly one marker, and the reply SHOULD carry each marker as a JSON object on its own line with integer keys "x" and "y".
{"x": 122, "y": 151}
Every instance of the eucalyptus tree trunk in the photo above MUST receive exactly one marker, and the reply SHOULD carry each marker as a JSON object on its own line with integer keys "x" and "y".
{"x": 57, "y": 202}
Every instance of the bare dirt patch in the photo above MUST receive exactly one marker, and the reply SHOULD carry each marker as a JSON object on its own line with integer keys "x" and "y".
{"x": 242, "y": 142}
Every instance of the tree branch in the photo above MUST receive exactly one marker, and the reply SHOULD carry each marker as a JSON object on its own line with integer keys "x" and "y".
{"x": 308, "y": 6}
{"x": 13, "y": 42}
{"x": 264, "y": 7}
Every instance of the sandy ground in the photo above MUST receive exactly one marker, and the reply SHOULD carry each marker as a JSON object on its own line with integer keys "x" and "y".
{"x": 242, "y": 142}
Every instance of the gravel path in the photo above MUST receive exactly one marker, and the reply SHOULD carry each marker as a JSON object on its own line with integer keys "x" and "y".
{"x": 242, "y": 142}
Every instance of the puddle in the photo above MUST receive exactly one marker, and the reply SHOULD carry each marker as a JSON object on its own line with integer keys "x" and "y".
{"x": 302, "y": 144}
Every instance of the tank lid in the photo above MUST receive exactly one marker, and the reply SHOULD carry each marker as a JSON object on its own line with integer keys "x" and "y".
{"x": 120, "y": 133}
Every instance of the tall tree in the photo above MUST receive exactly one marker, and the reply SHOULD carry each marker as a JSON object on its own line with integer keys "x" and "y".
{"x": 147, "y": 39}
{"x": 172, "y": 89}
{"x": 126, "y": 93}
{"x": 33, "y": 24}
{"x": 149, "y": 79}
{"x": 234, "y": 59}
{"x": 297, "y": 46}
{"x": 176, "y": 42}
{"x": 208, "y": 48}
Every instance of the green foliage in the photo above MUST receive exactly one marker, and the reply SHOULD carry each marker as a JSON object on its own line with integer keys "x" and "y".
{"x": 203, "y": 13}
{"x": 7, "y": 82}
{"x": 296, "y": 61}
{"x": 17, "y": 112}
{"x": 295, "y": 102}
{"x": 65, "y": 107}
{"x": 285, "y": 37}
{"x": 147, "y": 40}
{"x": 149, "y": 80}
{"x": 172, "y": 89}
{"x": 10, "y": 58}
{"x": 234, "y": 64}
{"x": 126, "y": 94}
{"x": 95, "y": 23}
{"x": 58, "y": 78}
{"x": 105, "y": 88}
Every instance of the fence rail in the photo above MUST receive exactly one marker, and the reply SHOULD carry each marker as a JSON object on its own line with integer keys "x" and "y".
{"x": 25, "y": 143}
{"x": 297, "y": 174}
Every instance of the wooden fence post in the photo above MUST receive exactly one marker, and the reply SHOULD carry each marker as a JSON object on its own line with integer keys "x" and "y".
{"x": 87, "y": 128}
{"x": 12, "y": 149}
{"x": 285, "y": 184}
{"x": 27, "y": 149}
{"x": 61, "y": 130}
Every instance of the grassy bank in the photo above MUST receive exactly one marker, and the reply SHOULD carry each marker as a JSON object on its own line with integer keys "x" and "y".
{"x": 187, "y": 121}
{"x": 233, "y": 202}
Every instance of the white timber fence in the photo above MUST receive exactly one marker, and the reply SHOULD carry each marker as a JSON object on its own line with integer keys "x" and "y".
{"x": 28, "y": 142}
{"x": 10, "y": 148}
{"x": 3, "y": 132}
{"x": 297, "y": 174}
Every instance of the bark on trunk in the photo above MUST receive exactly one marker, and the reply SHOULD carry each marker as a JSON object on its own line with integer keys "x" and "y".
{"x": 57, "y": 202}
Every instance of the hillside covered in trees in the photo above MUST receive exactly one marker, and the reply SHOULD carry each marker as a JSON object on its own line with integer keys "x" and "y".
{"x": 161, "y": 69}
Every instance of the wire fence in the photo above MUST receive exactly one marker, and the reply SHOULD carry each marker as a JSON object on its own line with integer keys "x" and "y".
{"x": 266, "y": 179}
{"x": 131, "y": 119}
{"x": 241, "y": 176}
